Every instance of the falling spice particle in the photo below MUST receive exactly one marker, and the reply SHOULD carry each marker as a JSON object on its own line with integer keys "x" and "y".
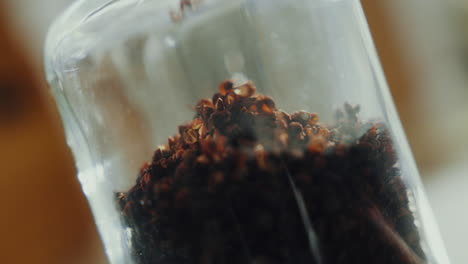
{"x": 225, "y": 190}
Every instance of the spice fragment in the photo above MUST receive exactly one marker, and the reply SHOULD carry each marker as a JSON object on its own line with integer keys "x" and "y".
{"x": 220, "y": 189}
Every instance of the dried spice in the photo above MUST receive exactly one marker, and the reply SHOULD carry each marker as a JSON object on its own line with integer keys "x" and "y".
{"x": 247, "y": 183}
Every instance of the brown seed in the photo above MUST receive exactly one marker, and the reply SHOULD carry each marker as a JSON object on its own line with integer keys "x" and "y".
{"x": 219, "y": 105}
{"x": 301, "y": 136}
{"x": 191, "y": 136}
{"x": 157, "y": 155}
{"x": 266, "y": 104}
{"x": 221, "y": 119}
{"x": 246, "y": 90}
{"x": 295, "y": 128}
{"x": 325, "y": 133}
{"x": 202, "y": 131}
{"x": 317, "y": 145}
{"x": 207, "y": 112}
{"x": 202, "y": 104}
{"x": 282, "y": 119}
{"x": 166, "y": 151}
{"x": 266, "y": 108}
{"x": 221, "y": 144}
{"x": 230, "y": 99}
{"x": 146, "y": 179}
{"x": 163, "y": 151}
{"x": 284, "y": 115}
{"x": 315, "y": 129}
{"x": 179, "y": 154}
{"x": 301, "y": 117}
{"x": 171, "y": 142}
{"x": 208, "y": 145}
{"x": 197, "y": 124}
{"x": 226, "y": 87}
{"x": 181, "y": 129}
{"x": 313, "y": 118}
{"x": 281, "y": 123}
{"x": 215, "y": 98}
{"x": 121, "y": 196}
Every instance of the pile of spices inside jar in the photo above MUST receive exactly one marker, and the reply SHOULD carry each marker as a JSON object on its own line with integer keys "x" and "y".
{"x": 247, "y": 183}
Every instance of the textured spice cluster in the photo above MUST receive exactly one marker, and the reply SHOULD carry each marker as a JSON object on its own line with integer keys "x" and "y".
{"x": 224, "y": 190}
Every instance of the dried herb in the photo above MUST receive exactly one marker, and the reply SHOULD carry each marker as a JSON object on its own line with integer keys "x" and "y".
{"x": 229, "y": 188}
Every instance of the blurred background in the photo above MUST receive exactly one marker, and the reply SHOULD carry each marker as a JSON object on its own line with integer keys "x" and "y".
{"x": 423, "y": 45}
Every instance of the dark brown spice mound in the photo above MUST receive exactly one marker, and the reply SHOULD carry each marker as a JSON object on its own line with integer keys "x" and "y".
{"x": 224, "y": 190}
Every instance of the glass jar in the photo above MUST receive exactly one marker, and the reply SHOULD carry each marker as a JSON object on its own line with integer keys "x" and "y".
{"x": 240, "y": 131}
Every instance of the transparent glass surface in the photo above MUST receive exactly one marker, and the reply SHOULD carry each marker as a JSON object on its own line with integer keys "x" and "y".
{"x": 241, "y": 131}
